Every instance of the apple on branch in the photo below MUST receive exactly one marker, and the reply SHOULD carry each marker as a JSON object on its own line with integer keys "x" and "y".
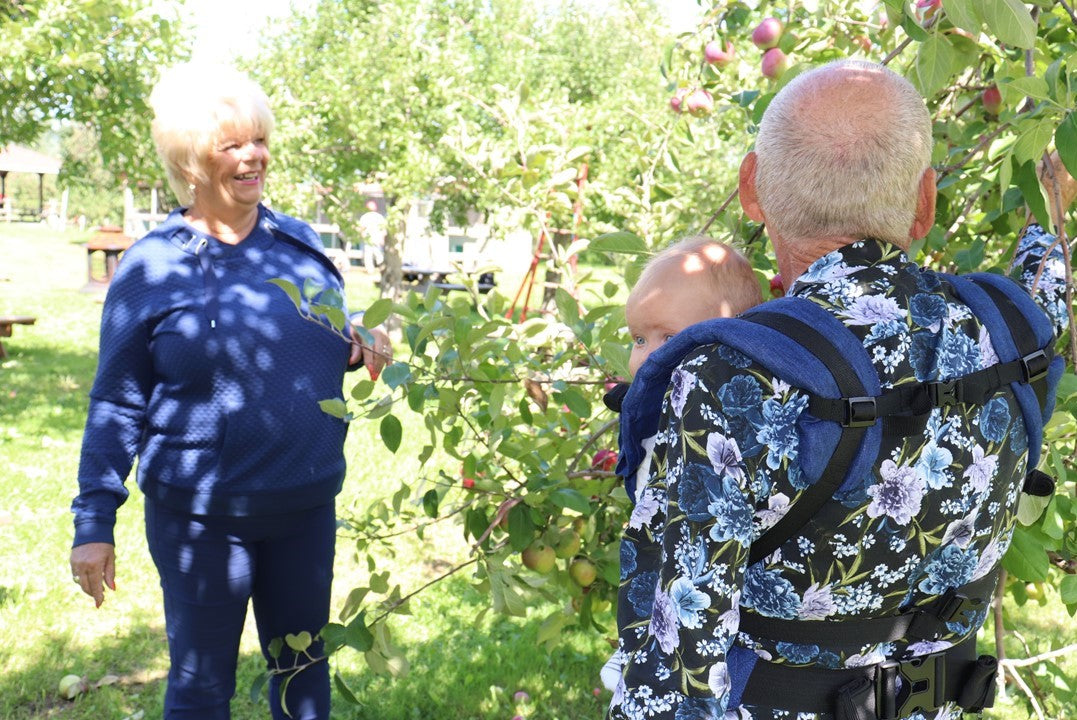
{"x": 714, "y": 54}
{"x": 767, "y": 33}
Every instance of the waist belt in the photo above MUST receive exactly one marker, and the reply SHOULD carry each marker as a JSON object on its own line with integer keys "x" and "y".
{"x": 885, "y": 691}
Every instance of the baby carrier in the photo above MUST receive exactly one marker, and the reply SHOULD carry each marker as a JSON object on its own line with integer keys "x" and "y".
{"x": 841, "y": 433}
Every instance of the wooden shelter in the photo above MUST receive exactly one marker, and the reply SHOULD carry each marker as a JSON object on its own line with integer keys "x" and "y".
{"x": 16, "y": 158}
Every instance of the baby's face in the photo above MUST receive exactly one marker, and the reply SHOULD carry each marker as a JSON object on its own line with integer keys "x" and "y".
{"x": 661, "y": 306}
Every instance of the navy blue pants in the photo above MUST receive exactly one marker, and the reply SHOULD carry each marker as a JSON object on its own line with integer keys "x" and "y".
{"x": 210, "y": 567}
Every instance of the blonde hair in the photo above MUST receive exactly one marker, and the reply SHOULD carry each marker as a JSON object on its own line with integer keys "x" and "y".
{"x": 840, "y": 152}
{"x": 732, "y": 278}
{"x": 193, "y": 105}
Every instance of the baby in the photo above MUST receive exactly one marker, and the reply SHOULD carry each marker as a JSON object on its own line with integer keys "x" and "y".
{"x": 694, "y": 280}
{"x": 691, "y": 281}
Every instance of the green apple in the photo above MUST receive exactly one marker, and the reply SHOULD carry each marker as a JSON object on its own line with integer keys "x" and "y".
{"x": 539, "y": 556}
{"x": 583, "y": 572}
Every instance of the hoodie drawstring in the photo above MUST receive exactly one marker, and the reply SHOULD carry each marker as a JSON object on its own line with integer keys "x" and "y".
{"x": 209, "y": 282}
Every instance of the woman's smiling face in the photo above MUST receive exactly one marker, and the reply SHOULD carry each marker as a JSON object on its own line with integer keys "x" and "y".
{"x": 235, "y": 173}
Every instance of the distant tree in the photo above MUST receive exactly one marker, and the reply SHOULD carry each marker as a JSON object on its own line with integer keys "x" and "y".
{"x": 87, "y": 61}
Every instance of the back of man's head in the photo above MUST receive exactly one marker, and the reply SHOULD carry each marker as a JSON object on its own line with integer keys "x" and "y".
{"x": 841, "y": 151}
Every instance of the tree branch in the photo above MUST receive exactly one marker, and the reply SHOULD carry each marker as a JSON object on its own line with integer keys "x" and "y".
{"x": 1043, "y": 657}
{"x": 703, "y": 230}
{"x": 1066, "y": 6}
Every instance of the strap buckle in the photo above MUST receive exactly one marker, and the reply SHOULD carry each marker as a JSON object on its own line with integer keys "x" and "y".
{"x": 923, "y": 686}
{"x": 945, "y": 394}
{"x": 860, "y": 412}
{"x": 1034, "y": 366}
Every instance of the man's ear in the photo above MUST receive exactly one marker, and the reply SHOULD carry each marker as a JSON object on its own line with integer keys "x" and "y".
{"x": 924, "y": 219}
{"x": 749, "y": 199}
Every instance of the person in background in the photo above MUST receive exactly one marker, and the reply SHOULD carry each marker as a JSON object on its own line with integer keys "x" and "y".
{"x": 210, "y": 377}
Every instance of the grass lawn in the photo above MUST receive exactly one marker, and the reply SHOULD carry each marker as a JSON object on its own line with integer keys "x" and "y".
{"x": 460, "y": 668}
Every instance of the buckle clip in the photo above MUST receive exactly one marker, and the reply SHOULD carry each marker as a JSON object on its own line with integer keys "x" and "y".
{"x": 952, "y": 606}
{"x": 860, "y": 412}
{"x": 1034, "y": 366}
{"x": 923, "y": 686}
{"x": 945, "y": 394}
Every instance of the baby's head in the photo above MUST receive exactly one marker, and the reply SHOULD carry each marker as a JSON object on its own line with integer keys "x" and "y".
{"x": 694, "y": 280}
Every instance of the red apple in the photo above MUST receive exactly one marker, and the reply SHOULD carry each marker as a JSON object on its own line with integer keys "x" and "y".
{"x": 715, "y": 55}
{"x": 605, "y": 459}
{"x": 767, "y": 33}
{"x": 777, "y": 288}
{"x": 775, "y": 63}
{"x": 864, "y": 42}
{"x": 597, "y": 692}
{"x": 699, "y": 102}
{"x": 926, "y": 10}
{"x": 677, "y": 101}
{"x": 992, "y": 100}
{"x": 468, "y": 483}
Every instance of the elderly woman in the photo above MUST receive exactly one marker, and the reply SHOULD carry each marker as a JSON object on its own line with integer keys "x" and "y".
{"x": 209, "y": 376}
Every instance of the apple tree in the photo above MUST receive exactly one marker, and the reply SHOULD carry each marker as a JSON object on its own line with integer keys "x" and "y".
{"x": 512, "y": 405}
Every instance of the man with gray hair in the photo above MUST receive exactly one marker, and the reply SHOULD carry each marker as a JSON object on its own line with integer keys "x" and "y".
{"x": 868, "y": 608}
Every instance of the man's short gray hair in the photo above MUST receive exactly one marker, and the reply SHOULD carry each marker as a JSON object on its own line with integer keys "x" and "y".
{"x": 841, "y": 151}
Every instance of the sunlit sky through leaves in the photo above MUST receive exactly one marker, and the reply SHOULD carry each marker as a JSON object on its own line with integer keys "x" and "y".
{"x": 229, "y": 28}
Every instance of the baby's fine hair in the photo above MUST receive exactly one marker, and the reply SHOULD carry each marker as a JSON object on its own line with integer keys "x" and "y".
{"x": 733, "y": 279}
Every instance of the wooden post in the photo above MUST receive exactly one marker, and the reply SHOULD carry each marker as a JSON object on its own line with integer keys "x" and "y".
{"x": 40, "y": 195}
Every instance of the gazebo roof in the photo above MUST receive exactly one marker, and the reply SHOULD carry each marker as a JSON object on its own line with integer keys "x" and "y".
{"x": 16, "y": 158}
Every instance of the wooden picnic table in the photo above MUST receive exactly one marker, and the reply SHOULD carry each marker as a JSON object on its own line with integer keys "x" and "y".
{"x": 7, "y": 323}
{"x": 111, "y": 242}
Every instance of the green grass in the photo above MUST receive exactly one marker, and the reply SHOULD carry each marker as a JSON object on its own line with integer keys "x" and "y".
{"x": 461, "y": 668}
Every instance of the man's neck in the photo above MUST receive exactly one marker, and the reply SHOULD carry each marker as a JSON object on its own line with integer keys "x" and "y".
{"x": 795, "y": 256}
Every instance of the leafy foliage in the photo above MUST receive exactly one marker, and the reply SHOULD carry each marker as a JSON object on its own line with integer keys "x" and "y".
{"x": 87, "y": 61}
{"x": 483, "y": 108}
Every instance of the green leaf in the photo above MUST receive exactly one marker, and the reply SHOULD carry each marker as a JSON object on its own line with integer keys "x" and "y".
{"x": 567, "y": 307}
{"x": 964, "y": 13}
{"x": 352, "y": 603}
{"x": 1025, "y": 178}
{"x": 396, "y": 374}
{"x": 377, "y": 313}
{"x": 391, "y": 432}
{"x": 622, "y": 242}
{"x": 576, "y": 402}
{"x": 1030, "y": 144}
{"x": 290, "y": 289}
{"x": 275, "y": 646}
{"x": 571, "y": 499}
{"x": 521, "y": 528}
{"x": 335, "y": 407}
{"x": 1026, "y": 559}
{"x": 1030, "y": 507}
{"x": 359, "y": 636}
{"x": 430, "y": 503}
{"x": 1010, "y": 21}
{"x": 1067, "y": 589}
{"x": 379, "y": 582}
{"x": 343, "y": 690}
{"x": 258, "y": 686}
{"x": 298, "y": 642}
{"x": 1066, "y": 142}
{"x": 1030, "y": 86}
{"x": 934, "y": 64}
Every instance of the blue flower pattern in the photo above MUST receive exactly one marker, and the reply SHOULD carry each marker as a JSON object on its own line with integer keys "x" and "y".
{"x": 934, "y": 510}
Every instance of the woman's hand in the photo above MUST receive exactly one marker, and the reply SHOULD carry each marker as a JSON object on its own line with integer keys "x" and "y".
{"x": 374, "y": 357}
{"x": 93, "y": 566}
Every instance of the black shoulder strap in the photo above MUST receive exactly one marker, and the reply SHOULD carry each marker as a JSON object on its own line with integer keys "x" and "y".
{"x": 809, "y": 501}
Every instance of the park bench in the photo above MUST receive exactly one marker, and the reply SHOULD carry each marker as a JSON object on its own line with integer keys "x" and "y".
{"x": 7, "y": 323}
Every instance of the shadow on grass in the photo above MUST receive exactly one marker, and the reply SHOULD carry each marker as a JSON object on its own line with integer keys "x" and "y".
{"x": 463, "y": 670}
{"x": 46, "y": 388}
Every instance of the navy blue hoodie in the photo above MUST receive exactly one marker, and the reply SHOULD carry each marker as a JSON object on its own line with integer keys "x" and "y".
{"x": 209, "y": 375}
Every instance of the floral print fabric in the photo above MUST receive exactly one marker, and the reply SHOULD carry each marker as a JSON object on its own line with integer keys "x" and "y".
{"x": 937, "y": 511}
